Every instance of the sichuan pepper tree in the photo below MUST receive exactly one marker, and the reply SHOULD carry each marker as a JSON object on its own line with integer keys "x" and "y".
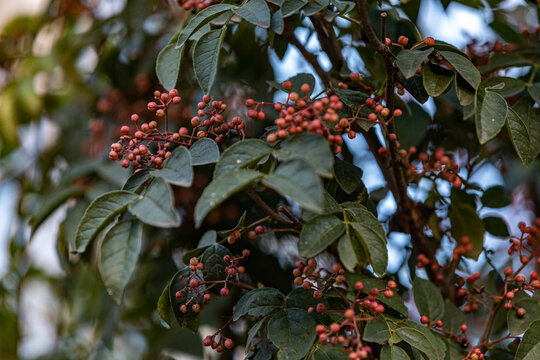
{"x": 285, "y": 159}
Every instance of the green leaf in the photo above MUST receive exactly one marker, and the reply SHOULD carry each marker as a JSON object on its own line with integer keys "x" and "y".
{"x": 101, "y": 212}
{"x": 428, "y": 299}
{"x": 220, "y": 189}
{"x": 242, "y": 154}
{"x": 204, "y": 151}
{"x": 518, "y": 325}
{"x": 164, "y": 306}
{"x": 205, "y": 29}
{"x": 157, "y": 206}
{"x": 254, "y": 330}
{"x": 328, "y": 352}
{"x": 464, "y": 67}
{"x": 239, "y": 225}
{"x": 376, "y": 331}
{"x": 348, "y": 176}
{"x": 501, "y": 61}
{"x": 214, "y": 265}
{"x": 137, "y": 180}
{"x": 343, "y": 6}
{"x": 465, "y": 222}
{"x": 301, "y": 298}
{"x": 371, "y": 234}
{"x": 408, "y": 61}
{"x": 314, "y": 7}
{"x": 520, "y": 137}
{"x": 180, "y": 284}
{"x": 201, "y": 18}
{"x": 351, "y": 98}
{"x": 464, "y": 92}
{"x": 350, "y": 250}
{"x": 168, "y": 65}
{"x": 415, "y": 87}
{"x": 453, "y": 317}
{"x": 534, "y": 91}
{"x": 411, "y": 128}
{"x": 490, "y": 115}
{"x": 529, "y": 347}
{"x": 258, "y": 302}
{"x": 311, "y": 148}
{"x": 417, "y": 339}
{"x": 278, "y": 25}
{"x": 293, "y": 332}
{"x": 291, "y": 7}
{"x": 299, "y": 181}
{"x": 510, "y": 86}
{"x": 118, "y": 255}
{"x": 390, "y": 352}
{"x": 496, "y": 197}
{"x": 209, "y": 238}
{"x": 255, "y": 12}
{"x": 177, "y": 168}
{"x": 436, "y": 79}
{"x": 319, "y": 233}
{"x": 496, "y": 226}
{"x": 206, "y": 56}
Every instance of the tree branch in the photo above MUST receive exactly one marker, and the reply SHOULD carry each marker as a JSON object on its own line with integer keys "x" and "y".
{"x": 263, "y": 205}
{"x": 406, "y": 207}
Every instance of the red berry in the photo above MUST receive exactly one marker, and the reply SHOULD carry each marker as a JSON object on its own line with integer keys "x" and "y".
{"x": 229, "y": 344}
{"x": 224, "y": 292}
{"x": 287, "y": 85}
{"x": 349, "y": 313}
{"x": 429, "y": 41}
{"x": 246, "y": 253}
{"x": 463, "y": 327}
{"x": 424, "y": 319}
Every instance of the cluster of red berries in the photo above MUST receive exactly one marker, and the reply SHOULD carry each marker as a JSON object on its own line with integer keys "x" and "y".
{"x": 218, "y": 341}
{"x": 147, "y": 145}
{"x": 435, "y": 165}
{"x": 344, "y": 334}
{"x": 198, "y": 289}
{"x": 475, "y": 353}
{"x": 347, "y": 333}
{"x": 196, "y": 4}
{"x": 318, "y": 116}
{"x": 309, "y": 276}
{"x": 403, "y": 41}
{"x": 303, "y": 114}
{"x": 532, "y": 285}
{"x": 210, "y": 120}
{"x": 527, "y": 243}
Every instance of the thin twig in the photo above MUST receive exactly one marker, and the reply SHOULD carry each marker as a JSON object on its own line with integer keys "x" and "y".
{"x": 263, "y": 205}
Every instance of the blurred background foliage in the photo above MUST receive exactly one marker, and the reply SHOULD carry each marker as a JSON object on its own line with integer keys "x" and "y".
{"x": 70, "y": 76}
